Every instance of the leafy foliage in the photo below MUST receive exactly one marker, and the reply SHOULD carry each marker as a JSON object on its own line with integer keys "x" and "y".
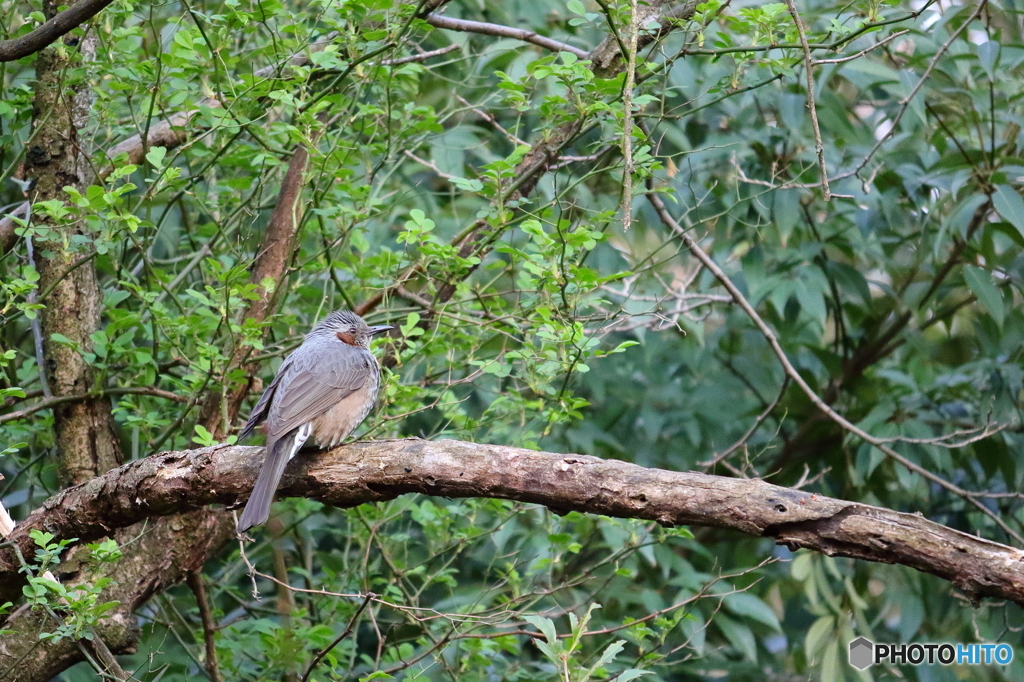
{"x": 528, "y": 316}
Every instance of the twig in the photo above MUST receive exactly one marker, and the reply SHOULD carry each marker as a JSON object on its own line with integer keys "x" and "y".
{"x": 490, "y": 119}
{"x": 441, "y": 21}
{"x": 422, "y": 57}
{"x": 819, "y": 148}
{"x": 432, "y": 166}
{"x": 298, "y": 59}
{"x": 198, "y": 587}
{"x": 60, "y": 400}
{"x": 840, "y": 60}
{"x": 106, "y": 657}
{"x": 627, "y": 120}
{"x": 973, "y": 435}
{"x": 348, "y": 630}
{"x": 37, "y": 329}
{"x": 750, "y": 432}
{"x": 773, "y": 342}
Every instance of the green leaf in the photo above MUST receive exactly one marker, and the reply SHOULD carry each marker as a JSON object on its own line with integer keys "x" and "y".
{"x": 376, "y": 675}
{"x": 980, "y": 283}
{"x": 786, "y": 212}
{"x": 470, "y": 185}
{"x": 1009, "y": 204}
{"x": 746, "y": 604}
{"x": 811, "y": 298}
{"x": 60, "y": 338}
{"x": 156, "y": 155}
{"x": 545, "y": 625}
{"x": 818, "y": 634}
{"x": 203, "y": 437}
{"x": 739, "y": 635}
{"x": 988, "y": 53}
{"x": 609, "y": 654}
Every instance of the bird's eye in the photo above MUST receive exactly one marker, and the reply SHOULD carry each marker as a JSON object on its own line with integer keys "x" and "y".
{"x": 351, "y": 330}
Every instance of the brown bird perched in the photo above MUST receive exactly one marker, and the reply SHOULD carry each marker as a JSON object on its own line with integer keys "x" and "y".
{"x": 324, "y": 389}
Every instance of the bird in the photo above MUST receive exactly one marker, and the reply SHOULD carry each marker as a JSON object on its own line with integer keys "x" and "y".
{"x": 323, "y": 390}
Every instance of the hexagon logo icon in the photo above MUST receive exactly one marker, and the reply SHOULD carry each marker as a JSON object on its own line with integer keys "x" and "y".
{"x": 862, "y": 653}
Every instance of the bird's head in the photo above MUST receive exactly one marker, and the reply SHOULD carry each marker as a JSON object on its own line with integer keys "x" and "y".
{"x": 348, "y": 328}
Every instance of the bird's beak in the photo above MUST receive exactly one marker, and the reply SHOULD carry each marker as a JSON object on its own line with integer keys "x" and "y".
{"x": 380, "y": 329}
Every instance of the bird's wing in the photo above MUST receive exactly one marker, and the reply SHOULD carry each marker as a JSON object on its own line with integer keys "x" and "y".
{"x": 321, "y": 373}
{"x": 259, "y": 412}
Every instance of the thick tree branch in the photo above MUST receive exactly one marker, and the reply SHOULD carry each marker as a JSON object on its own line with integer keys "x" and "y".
{"x": 169, "y": 133}
{"x": 38, "y": 39}
{"x": 374, "y": 471}
{"x": 268, "y": 272}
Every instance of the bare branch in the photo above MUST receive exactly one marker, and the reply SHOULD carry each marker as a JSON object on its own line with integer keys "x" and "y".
{"x": 466, "y": 26}
{"x": 429, "y": 164}
{"x": 198, "y": 587}
{"x": 64, "y": 399}
{"x": 883, "y": 41}
{"x": 268, "y": 272}
{"x": 169, "y": 133}
{"x": 819, "y": 148}
{"x": 415, "y": 58}
{"x": 176, "y": 482}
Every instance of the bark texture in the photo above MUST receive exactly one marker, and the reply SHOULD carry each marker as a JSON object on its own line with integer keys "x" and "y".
{"x": 85, "y": 436}
{"x": 161, "y": 555}
{"x": 174, "y": 482}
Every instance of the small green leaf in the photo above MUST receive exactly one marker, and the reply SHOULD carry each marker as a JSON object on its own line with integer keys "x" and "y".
{"x": 470, "y": 185}
{"x": 988, "y": 53}
{"x": 746, "y": 604}
{"x": 980, "y": 283}
{"x": 203, "y": 437}
{"x": 818, "y": 634}
{"x": 155, "y": 156}
{"x": 1009, "y": 204}
{"x": 545, "y": 625}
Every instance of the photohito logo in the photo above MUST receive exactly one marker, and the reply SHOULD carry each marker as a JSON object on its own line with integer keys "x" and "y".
{"x": 864, "y": 652}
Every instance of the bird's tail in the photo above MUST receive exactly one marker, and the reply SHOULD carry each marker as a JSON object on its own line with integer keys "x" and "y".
{"x": 257, "y": 509}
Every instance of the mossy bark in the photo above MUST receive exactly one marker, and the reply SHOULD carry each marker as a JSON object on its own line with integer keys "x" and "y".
{"x": 85, "y": 439}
